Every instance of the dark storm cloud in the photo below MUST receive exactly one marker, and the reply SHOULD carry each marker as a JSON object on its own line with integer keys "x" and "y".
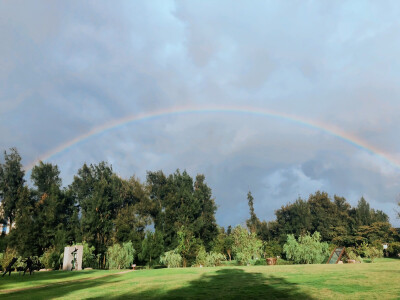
{"x": 68, "y": 67}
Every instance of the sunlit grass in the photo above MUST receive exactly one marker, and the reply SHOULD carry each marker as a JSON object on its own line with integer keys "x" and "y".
{"x": 378, "y": 280}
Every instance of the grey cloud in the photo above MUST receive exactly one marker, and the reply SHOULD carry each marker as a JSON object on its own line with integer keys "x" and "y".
{"x": 68, "y": 67}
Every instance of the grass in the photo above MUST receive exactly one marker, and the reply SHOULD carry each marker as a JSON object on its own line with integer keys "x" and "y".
{"x": 379, "y": 280}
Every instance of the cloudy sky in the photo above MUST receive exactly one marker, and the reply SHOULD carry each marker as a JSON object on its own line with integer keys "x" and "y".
{"x": 282, "y": 98}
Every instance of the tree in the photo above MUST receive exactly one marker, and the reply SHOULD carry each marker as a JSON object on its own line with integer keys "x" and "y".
{"x": 186, "y": 243}
{"x": 253, "y": 223}
{"x": 177, "y": 201}
{"x": 120, "y": 256}
{"x": 130, "y": 226}
{"x": 100, "y": 194}
{"x": 171, "y": 259}
{"x": 245, "y": 245}
{"x": 11, "y": 184}
{"x": 152, "y": 247}
{"x": 55, "y": 211}
{"x": 294, "y": 218}
{"x": 207, "y": 225}
{"x": 24, "y": 238}
{"x": 363, "y": 212}
{"x": 324, "y": 214}
{"x": 307, "y": 250}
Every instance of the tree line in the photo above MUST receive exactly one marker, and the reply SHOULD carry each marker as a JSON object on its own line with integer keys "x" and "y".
{"x": 164, "y": 216}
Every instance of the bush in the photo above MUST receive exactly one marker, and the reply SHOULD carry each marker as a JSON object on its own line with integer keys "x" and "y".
{"x": 51, "y": 259}
{"x": 367, "y": 251}
{"x": 171, "y": 259}
{"x": 120, "y": 256}
{"x": 282, "y": 262}
{"x": 260, "y": 262}
{"x": 7, "y": 257}
{"x": 307, "y": 250}
{"x": 394, "y": 249}
{"x": 353, "y": 255}
{"x": 210, "y": 259}
{"x": 272, "y": 249}
{"x": 373, "y": 253}
{"x": 89, "y": 258}
{"x": 245, "y": 245}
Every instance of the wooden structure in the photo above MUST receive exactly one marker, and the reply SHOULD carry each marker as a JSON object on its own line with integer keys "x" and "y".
{"x": 337, "y": 255}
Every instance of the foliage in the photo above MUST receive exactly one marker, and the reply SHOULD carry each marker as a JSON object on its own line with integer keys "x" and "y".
{"x": 260, "y": 262}
{"x": 51, "y": 258}
{"x": 334, "y": 219}
{"x": 373, "y": 253}
{"x": 283, "y": 262}
{"x": 131, "y": 220}
{"x": 253, "y": 224}
{"x": 120, "y": 256}
{"x": 394, "y": 249}
{"x": 11, "y": 183}
{"x": 307, "y": 250}
{"x": 172, "y": 259}
{"x": 272, "y": 249}
{"x": 152, "y": 247}
{"x": 177, "y": 201}
{"x": 88, "y": 258}
{"x": 102, "y": 209}
{"x": 7, "y": 256}
{"x": 209, "y": 259}
{"x": 353, "y": 254}
{"x": 186, "y": 243}
{"x": 245, "y": 245}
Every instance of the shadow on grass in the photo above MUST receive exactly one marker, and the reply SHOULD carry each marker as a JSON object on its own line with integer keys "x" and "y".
{"x": 59, "y": 289}
{"x": 39, "y": 277}
{"x": 230, "y": 283}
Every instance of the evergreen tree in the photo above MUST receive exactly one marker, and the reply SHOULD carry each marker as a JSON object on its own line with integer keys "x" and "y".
{"x": 294, "y": 218}
{"x": 253, "y": 223}
{"x": 130, "y": 226}
{"x": 55, "y": 211}
{"x": 363, "y": 213}
{"x": 208, "y": 228}
{"x": 25, "y": 237}
{"x": 98, "y": 193}
{"x": 11, "y": 184}
{"x": 152, "y": 247}
{"x": 177, "y": 201}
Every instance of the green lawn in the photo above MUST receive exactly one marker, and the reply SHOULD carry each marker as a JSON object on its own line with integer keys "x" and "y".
{"x": 380, "y": 280}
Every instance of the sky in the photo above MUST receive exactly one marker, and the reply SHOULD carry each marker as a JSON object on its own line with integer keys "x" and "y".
{"x": 282, "y": 98}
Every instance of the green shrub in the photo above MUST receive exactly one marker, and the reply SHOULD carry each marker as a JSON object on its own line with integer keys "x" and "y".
{"x": 260, "y": 262}
{"x": 7, "y": 257}
{"x": 307, "y": 250}
{"x": 373, "y": 253}
{"x": 210, "y": 259}
{"x": 353, "y": 255}
{"x": 89, "y": 258}
{"x": 120, "y": 256}
{"x": 246, "y": 246}
{"x": 272, "y": 249}
{"x": 51, "y": 258}
{"x": 171, "y": 259}
{"x": 394, "y": 249}
{"x": 282, "y": 262}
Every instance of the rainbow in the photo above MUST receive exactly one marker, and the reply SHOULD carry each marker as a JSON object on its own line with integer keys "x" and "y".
{"x": 115, "y": 124}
